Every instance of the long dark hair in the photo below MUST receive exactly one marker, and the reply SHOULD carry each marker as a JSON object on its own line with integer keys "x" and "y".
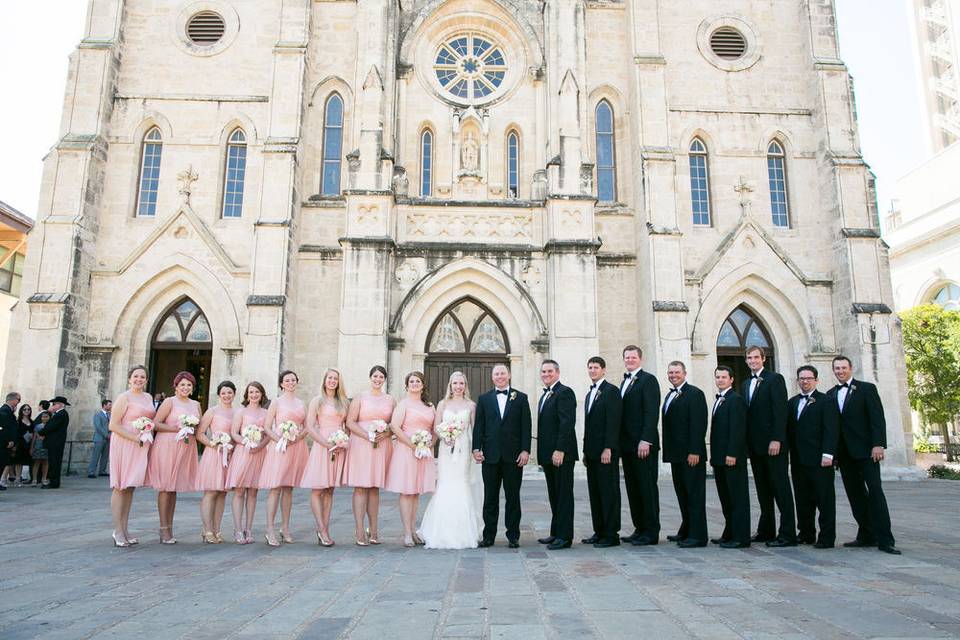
{"x": 23, "y": 408}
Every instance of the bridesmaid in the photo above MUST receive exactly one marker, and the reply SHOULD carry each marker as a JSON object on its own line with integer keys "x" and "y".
{"x": 365, "y": 468}
{"x": 283, "y": 469}
{"x": 128, "y": 458}
{"x": 326, "y": 414}
{"x": 212, "y": 473}
{"x": 173, "y": 462}
{"x": 243, "y": 476}
{"x": 408, "y": 475}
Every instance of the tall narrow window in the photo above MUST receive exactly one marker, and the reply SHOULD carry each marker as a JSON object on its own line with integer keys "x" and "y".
{"x": 332, "y": 145}
{"x": 236, "y": 169}
{"x": 777, "y": 174}
{"x": 513, "y": 165}
{"x": 606, "y": 155}
{"x": 699, "y": 183}
{"x": 149, "y": 173}
{"x": 426, "y": 163}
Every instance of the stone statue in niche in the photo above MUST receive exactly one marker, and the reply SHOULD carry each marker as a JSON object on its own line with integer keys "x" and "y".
{"x": 470, "y": 154}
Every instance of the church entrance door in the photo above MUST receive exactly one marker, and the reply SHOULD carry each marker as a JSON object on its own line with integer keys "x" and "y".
{"x": 182, "y": 342}
{"x": 743, "y": 329}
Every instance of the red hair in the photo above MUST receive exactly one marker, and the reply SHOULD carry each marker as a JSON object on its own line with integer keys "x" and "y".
{"x": 185, "y": 375}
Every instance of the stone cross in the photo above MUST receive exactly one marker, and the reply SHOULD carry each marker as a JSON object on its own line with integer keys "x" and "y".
{"x": 743, "y": 189}
{"x": 186, "y": 178}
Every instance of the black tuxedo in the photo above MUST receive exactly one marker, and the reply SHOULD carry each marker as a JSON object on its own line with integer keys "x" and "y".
{"x": 556, "y": 431}
{"x": 813, "y": 433}
{"x": 640, "y": 419}
{"x": 767, "y": 422}
{"x": 501, "y": 439}
{"x": 684, "y": 433}
{"x": 728, "y": 438}
{"x": 55, "y": 439}
{"x": 8, "y": 434}
{"x": 601, "y": 431}
{"x": 862, "y": 427}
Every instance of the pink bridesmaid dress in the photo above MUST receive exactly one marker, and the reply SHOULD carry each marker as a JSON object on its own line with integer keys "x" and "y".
{"x": 408, "y": 474}
{"x": 285, "y": 469}
{"x": 246, "y": 465}
{"x": 128, "y": 460}
{"x": 173, "y": 463}
{"x": 321, "y": 473}
{"x": 365, "y": 466}
{"x": 212, "y": 474}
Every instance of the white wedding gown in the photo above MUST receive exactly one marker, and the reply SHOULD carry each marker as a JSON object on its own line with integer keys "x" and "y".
{"x": 453, "y": 519}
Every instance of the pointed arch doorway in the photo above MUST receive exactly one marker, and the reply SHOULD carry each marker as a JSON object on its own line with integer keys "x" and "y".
{"x": 182, "y": 341}
{"x": 740, "y": 330}
{"x": 466, "y": 337}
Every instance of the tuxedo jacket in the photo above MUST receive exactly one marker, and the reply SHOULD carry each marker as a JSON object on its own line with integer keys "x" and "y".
{"x": 557, "y": 424}
{"x": 862, "y": 425}
{"x": 728, "y": 430}
{"x": 766, "y": 411}
{"x": 8, "y": 431}
{"x": 55, "y": 433}
{"x": 601, "y": 421}
{"x": 502, "y": 438}
{"x": 685, "y": 425}
{"x": 641, "y": 413}
{"x": 815, "y": 432}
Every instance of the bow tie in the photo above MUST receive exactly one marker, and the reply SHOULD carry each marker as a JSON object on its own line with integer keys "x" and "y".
{"x": 755, "y": 377}
{"x": 546, "y": 389}
{"x": 593, "y": 386}
{"x": 627, "y": 375}
{"x": 674, "y": 390}
{"x": 503, "y": 391}
{"x": 805, "y": 397}
{"x": 719, "y": 396}
{"x": 845, "y": 385}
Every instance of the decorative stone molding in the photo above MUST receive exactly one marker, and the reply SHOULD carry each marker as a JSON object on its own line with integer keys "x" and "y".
{"x": 531, "y": 275}
{"x": 541, "y": 344}
{"x": 850, "y": 232}
{"x": 395, "y": 343}
{"x": 407, "y": 274}
{"x": 871, "y": 307}
{"x": 467, "y": 226}
{"x": 616, "y": 259}
{"x": 266, "y": 301}
{"x": 670, "y": 305}
{"x": 654, "y": 230}
{"x": 572, "y": 246}
{"x": 321, "y": 252}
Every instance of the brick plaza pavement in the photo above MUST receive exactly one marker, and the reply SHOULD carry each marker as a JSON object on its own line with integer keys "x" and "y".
{"x": 61, "y": 578}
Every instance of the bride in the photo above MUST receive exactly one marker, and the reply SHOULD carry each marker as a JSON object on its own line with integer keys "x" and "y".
{"x": 452, "y": 519}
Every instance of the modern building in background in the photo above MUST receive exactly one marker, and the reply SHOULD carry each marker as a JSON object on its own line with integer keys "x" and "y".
{"x": 937, "y": 29}
{"x": 241, "y": 187}
{"x": 14, "y": 227}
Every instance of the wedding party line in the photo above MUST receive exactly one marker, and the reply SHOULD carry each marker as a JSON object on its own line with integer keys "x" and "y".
{"x": 466, "y": 452}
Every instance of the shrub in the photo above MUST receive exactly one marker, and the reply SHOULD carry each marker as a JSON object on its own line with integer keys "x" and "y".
{"x": 942, "y": 472}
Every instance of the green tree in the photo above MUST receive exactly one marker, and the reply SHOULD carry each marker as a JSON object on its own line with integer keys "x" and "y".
{"x": 931, "y": 344}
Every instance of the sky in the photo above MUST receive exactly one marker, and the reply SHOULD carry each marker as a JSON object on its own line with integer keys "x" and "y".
{"x": 875, "y": 43}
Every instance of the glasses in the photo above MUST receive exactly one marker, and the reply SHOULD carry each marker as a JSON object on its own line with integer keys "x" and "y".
{"x": 806, "y": 379}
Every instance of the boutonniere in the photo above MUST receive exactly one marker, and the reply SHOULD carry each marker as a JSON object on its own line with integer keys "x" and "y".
{"x": 853, "y": 387}
{"x": 513, "y": 395}
{"x": 811, "y": 400}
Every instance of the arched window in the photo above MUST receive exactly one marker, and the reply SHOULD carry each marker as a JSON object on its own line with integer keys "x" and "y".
{"x": 467, "y": 327}
{"x": 513, "y": 165}
{"x": 332, "y": 145}
{"x": 606, "y": 154}
{"x": 182, "y": 341}
{"x": 426, "y": 163}
{"x": 699, "y": 183}
{"x": 948, "y": 297}
{"x": 777, "y": 175}
{"x": 740, "y": 330}
{"x": 149, "y": 181}
{"x": 234, "y": 174}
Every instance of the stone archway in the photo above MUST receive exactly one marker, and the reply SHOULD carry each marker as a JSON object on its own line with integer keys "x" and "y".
{"x": 742, "y": 329}
{"x": 182, "y": 341}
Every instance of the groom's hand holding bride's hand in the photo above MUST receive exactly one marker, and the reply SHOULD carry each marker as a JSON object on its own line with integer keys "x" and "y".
{"x": 477, "y": 455}
{"x": 523, "y": 459}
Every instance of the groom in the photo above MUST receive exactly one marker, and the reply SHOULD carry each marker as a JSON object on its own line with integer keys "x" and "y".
{"x": 501, "y": 440}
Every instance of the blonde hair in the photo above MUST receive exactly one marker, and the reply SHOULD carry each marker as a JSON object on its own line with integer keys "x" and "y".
{"x": 466, "y": 386}
{"x": 340, "y": 400}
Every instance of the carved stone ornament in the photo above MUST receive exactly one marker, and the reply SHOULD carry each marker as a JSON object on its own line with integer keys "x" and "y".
{"x": 467, "y": 227}
{"x": 470, "y": 154}
{"x": 407, "y": 274}
{"x": 531, "y": 275}
{"x": 186, "y": 178}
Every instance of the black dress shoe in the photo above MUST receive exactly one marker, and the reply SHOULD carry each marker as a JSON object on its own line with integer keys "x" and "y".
{"x": 806, "y": 541}
{"x": 889, "y": 548}
{"x": 676, "y": 538}
{"x": 559, "y": 543}
{"x": 90, "y": 475}
{"x": 689, "y": 543}
{"x": 733, "y": 544}
{"x": 513, "y": 544}
{"x": 718, "y": 540}
{"x": 485, "y": 543}
{"x": 547, "y": 540}
{"x": 104, "y": 475}
{"x": 856, "y": 544}
{"x": 823, "y": 545}
{"x": 778, "y": 543}
{"x": 2, "y": 488}
{"x": 591, "y": 540}
{"x": 643, "y": 541}
{"x": 630, "y": 538}
{"x": 759, "y": 538}
{"x": 606, "y": 542}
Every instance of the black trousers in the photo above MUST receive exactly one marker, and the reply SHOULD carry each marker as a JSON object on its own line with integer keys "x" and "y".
{"x": 560, "y": 492}
{"x": 640, "y": 479}
{"x": 510, "y": 476}
{"x": 861, "y": 481}
{"x": 603, "y": 485}
{"x": 734, "y": 492}
{"x": 813, "y": 488}
{"x": 690, "y": 483}
{"x": 54, "y": 462}
{"x": 773, "y": 485}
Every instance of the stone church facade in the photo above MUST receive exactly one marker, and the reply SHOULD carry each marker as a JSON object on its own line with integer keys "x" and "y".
{"x": 243, "y": 186}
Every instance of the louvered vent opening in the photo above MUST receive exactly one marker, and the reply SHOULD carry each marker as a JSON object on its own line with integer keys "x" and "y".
{"x": 728, "y": 43}
{"x": 205, "y": 28}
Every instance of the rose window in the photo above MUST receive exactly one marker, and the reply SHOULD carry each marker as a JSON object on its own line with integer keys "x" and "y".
{"x": 470, "y": 67}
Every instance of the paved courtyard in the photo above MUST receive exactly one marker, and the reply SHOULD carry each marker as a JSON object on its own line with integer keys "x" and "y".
{"x": 61, "y": 578}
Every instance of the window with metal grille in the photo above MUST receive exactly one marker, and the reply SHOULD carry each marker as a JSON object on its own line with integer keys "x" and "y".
{"x": 699, "y": 183}
{"x": 205, "y": 28}
{"x": 236, "y": 169}
{"x": 728, "y": 43}
{"x": 606, "y": 154}
{"x": 777, "y": 175}
{"x": 149, "y": 173}
{"x": 513, "y": 165}
{"x": 426, "y": 163}
{"x": 332, "y": 145}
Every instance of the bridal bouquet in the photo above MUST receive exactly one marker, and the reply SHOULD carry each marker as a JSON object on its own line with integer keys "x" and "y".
{"x": 223, "y": 442}
{"x": 188, "y": 426}
{"x": 252, "y": 435}
{"x": 422, "y": 441}
{"x": 450, "y": 431}
{"x": 337, "y": 439}
{"x": 288, "y": 433}
{"x": 376, "y": 427}
{"x": 145, "y": 426}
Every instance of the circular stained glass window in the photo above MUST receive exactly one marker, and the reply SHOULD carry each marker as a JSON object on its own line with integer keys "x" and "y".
{"x": 470, "y": 67}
